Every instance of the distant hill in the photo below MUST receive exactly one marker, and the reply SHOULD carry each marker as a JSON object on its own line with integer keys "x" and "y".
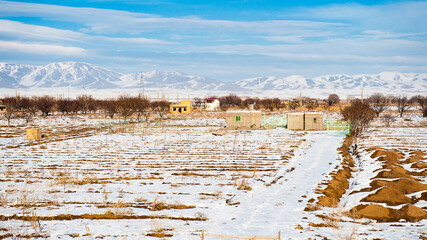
{"x": 80, "y": 75}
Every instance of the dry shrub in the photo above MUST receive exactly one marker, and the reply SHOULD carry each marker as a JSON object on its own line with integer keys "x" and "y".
{"x": 120, "y": 208}
{"x": 158, "y": 205}
{"x": 243, "y": 184}
{"x": 158, "y": 230}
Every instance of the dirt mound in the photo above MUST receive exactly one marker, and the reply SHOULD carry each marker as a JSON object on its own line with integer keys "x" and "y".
{"x": 416, "y": 156}
{"x": 412, "y": 213}
{"x": 387, "y": 155}
{"x": 394, "y": 172}
{"x": 339, "y": 183}
{"x": 372, "y": 211}
{"x": 419, "y": 165}
{"x": 383, "y": 214}
{"x": 388, "y": 195}
{"x": 405, "y": 186}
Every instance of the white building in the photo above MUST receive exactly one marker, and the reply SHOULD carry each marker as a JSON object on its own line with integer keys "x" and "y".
{"x": 212, "y": 104}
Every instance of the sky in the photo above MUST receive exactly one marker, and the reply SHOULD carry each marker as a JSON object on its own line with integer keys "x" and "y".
{"x": 224, "y": 40}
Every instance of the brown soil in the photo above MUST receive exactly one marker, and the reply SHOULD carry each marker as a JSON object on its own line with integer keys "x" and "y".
{"x": 388, "y": 195}
{"x": 373, "y": 211}
{"x": 99, "y": 216}
{"x": 394, "y": 172}
{"x": 382, "y": 214}
{"x": 419, "y": 165}
{"x": 405, "y": 186}
{"x": 412, "y": 213}
{"x": 339, "y": 183}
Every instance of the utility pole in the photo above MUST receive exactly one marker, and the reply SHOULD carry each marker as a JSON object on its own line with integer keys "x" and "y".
{"x": 141, "y": 84}
{"x": 361, "y": 94}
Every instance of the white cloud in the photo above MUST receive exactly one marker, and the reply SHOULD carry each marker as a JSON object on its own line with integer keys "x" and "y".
{"x": 42, "y": 49}
{"x": 29, "y": 31}
{"x": 110, "y": 21}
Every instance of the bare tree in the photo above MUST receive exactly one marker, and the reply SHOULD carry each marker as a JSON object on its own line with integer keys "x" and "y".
{"x": 197, "y": 102}
{"x": 161, "y": 107}
{"x": 422, "y": 103}
{"x": 294, "y": 104}
{"x": 267, "y": 103}
{"x": 402, "y": 103}
{"x": 64, "y": 105}
{"x": 378, "y": 103}
{"x": 12, "y": 108}
{"x": 45, "y": 104}
{"x": 231, "y": 100}
{"x": 312, "y": 104}
{"x": 28, "y": 109}
{"x": 126, "y": 106}
{"x": 141, "y": 107}
{"x": 359, "y": 114}
{"x": 388, "y": 119}
{"x": 110, "y": 107}
{"x": 87, "y": 103}
{"x": 333, "y": 99}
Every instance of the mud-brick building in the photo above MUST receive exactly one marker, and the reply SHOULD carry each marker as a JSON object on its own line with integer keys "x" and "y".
{"x": 295, "y": 121}
{"x": 2, "y": 108}
{"x": 243, "y": 119}
{"x": 305, "y": 121}
{"x": 313, "y": 121}
{"x": 186, "y": 106}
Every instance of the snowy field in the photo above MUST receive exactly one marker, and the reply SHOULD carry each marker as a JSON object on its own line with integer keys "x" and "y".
{"x": 92, "y": 178}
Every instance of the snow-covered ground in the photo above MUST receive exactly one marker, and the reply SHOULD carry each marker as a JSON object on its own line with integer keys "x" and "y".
{"x": 107, "y": 180}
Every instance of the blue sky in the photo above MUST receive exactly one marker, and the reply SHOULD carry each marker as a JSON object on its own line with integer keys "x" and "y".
{"x": 224, "y": 40}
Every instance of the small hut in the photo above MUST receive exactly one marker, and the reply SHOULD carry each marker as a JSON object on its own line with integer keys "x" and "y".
{"x": 211, "y": 104}
{"x": 305, "y": 121}
{"x": 34, "y": 134}
{"x": 313, "y": 121}
{"x": 296, "y": 121}
{"x": 2, "y": 108}
{"x": 186, "y": 106}
{"x": 243, "y": 119}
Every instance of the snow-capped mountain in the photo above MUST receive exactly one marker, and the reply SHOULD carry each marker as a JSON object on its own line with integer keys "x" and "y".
{"x": 85, "y": 75}
{"x": 65, "y": 74}
{"x": 176, "y": 80}
{"x": 382, "y": 82}
{"x": 11, "y": 74}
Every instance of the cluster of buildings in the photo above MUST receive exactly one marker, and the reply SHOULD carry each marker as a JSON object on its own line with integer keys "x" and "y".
{"x": 250, "y": 119}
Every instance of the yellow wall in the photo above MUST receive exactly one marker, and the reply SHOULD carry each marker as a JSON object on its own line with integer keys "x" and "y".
{"x": 186, "y": 106}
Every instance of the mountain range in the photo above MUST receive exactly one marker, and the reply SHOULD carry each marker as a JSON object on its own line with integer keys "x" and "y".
{"x": 88, "y": 76}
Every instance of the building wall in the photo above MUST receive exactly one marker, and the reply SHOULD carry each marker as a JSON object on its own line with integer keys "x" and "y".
{"x": 305, "y": 121}
{"x": 213, "y": 106}
{"x": 313, "y": 121}
{"x": 186, "y": 106}
{"x": 243, "y": 119}
{"x": 296, "y": 121}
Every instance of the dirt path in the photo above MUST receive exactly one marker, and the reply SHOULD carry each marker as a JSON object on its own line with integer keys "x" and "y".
{"x": 266, "y": 210}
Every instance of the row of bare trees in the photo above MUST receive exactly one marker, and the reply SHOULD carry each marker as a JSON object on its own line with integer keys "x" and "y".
{"x": 379, "y": 103}
{"x": 361, "y": 113}
{"x": 124, "y": 106}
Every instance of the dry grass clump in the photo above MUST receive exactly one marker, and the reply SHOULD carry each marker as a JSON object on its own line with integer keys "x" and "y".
{"x": 158, "y": 230}
{"x": 119, "y": 208}
{"x": 158, "y": 205}
{"x": 243, "y": 184}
